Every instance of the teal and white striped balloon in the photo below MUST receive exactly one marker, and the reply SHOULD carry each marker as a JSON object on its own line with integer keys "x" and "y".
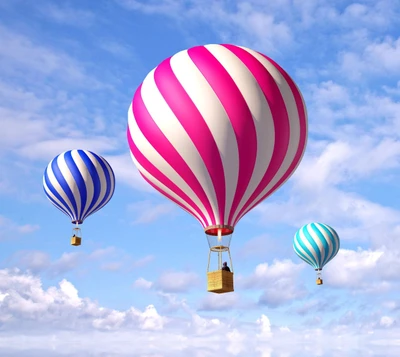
{"x": 316, "y": 244}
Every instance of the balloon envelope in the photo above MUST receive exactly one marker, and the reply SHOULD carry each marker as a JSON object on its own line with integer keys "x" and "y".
{"x": 217, "y": 129}
{"x": 79, "y": 183}
{"x": 316, "y": 244}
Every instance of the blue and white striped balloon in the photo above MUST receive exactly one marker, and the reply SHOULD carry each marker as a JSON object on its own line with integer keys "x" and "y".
{"x": 316, "y": 244}
{"x": 79, "y": 183}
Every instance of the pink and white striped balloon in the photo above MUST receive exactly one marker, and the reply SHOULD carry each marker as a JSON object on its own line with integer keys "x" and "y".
{"x": 217, "y": 129}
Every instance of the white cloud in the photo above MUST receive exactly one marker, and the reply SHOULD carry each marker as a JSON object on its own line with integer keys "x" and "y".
{"x": 68, "y": 15}
{"x": 111, "y": 266}
{"x": 101, "y": 253}
{"x": 366, "y": 271}
{"x": 176, "y": 281}
{"x": 109, "y": 259}
{"x": 36, "y": 261}
{"x": 10, "y": 229}
{"x": 39, "y": 261}
{"x": 61, "y": 316}
{"x": 48, "y": 149}
{"x": 316, "y": 305}
{"x": 18, "y": 51}
{"x": 28, "y": 228}
{"x": 248, "y": 23}
{"x": 143, "y": 261}
{"x": 126, "y": 172}
{"x": 25, "y": 299}
{"x": 259, "y": 246}
{"x": 237, "y": 342}
{"x": 265, "y": 328}
{"x": 220, "y": 302}
{"x": 142, "y": 283}
{"x": 380, "y": 57}
{"x": 145, "y": 212}
{"x": 279, "y": 286}
{"x": 387, "y": 321}
{"x": 120, "y": 50}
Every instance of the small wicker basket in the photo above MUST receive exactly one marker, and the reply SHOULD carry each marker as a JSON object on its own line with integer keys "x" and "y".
{"x": 76, "y": 240}
{"x": 220, "y": 281}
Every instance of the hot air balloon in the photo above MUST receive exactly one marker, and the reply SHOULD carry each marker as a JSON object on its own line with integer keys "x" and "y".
{"x": 217, "y": 129}
{"x": 316, "y": 244}
{"x": 78, "y": 183}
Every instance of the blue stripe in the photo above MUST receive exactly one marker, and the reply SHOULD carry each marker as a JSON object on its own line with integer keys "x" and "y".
{"x": 95, "y": 178}
{"x": 80, "y": 182}
{"x": 55, "y": 193}
{"x": 109, "y": 183}
{"x": 79, "y": 187}
{"x": 64, "y": 185}
{"x": 55, "y": 203}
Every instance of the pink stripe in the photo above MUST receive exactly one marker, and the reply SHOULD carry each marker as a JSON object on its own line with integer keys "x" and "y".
{"x": 152, "y": 170}
{"x": 170, "y": 197}
{"x": 162, "y": 145}
{"x": 279, "y": 114}
{"x": 302, "y": 140}
{"x": 238, "y": 112}
{"x": 196, "y": 127}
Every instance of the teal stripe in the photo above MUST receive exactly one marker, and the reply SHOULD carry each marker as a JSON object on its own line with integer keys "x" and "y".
{"x": 302, "y": 245}
{"x": 302, "y": 256}
{"x": 303, "y": 236}
{"x": 335, "y": 242}
{"x": 324, "y": 242}
{"x": 311, "y": 240}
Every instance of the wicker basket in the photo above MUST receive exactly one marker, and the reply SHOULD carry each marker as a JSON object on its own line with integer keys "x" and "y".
{"x": 76, "y": 240}
{"x": 220, "y": 281}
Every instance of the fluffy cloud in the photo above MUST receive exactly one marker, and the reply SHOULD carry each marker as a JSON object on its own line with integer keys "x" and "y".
{"x": 142, "y": 283}
{"x": 220, "y": 302}
{"x": 278, "y": 280}
{"x": 380, "y": 57}
{"x": 9, "y": 229}
{"x": 176, "y": 281}
{"x": 365, "y": 270}
{"x": 37, "y": 261}
{"x": 147, "y": 211}
{"x": 60, "y": 316}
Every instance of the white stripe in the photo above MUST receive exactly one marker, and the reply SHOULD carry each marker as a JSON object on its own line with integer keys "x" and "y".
{"x": 260, "y": 111}
{"x": 327, "y": 238}
{"x": 336, "y": 238}
{"x": 55, "y": 198}
{"x": 305, "y": 241}
{"x": 56, "y": 184}
{"x": 158, "y": 161}
{"x": 69, "y": 178}
{"x": 103, "y": 183}
{"x": 157, "y": 183}
{"x": 318, "y": 242}
{"x": 294, "y": 124}
{"x": 214, "y": 114}
{"x": 86, "y": 178}
{"x": 170, "y": 126}
{"x": 95, "y": 208}
{"x": 306, "y": 255}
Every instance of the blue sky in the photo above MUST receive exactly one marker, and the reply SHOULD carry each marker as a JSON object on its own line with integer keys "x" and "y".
{"x": 68, "y": 71}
